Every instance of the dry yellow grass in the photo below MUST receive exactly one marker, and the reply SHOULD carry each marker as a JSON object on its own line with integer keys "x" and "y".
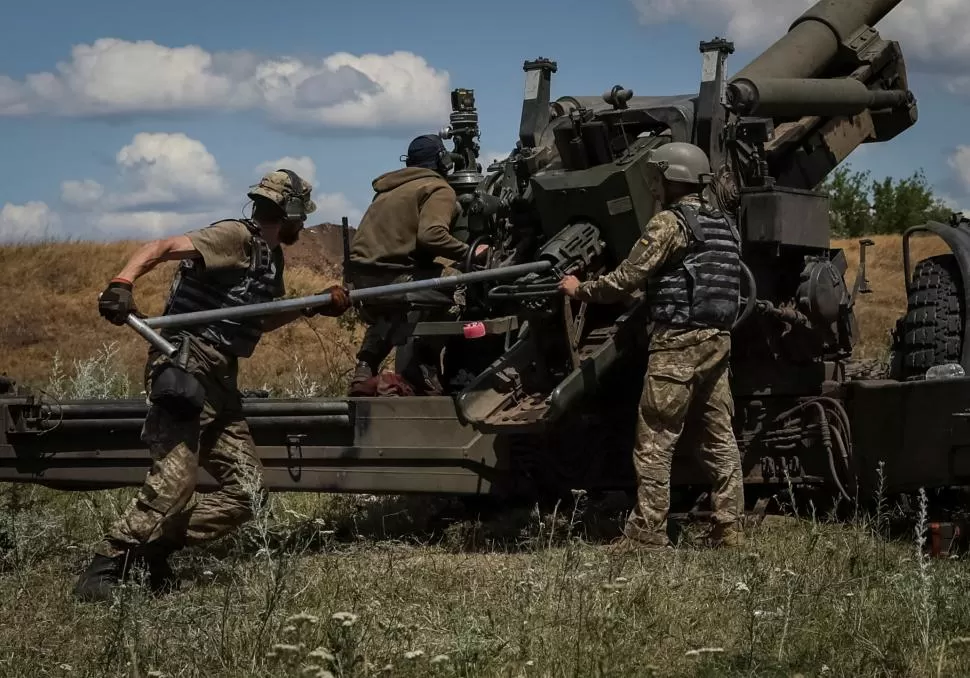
{"x": 877, "y": 312}
{"x": 49, "y": 307}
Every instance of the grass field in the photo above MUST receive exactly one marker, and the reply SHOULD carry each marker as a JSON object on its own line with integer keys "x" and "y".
{"x": 323, "y": 585}
{"x": 356, "y": 586}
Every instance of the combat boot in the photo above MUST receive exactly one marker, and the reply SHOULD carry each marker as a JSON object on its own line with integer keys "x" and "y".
{"x": 161, "y": 576}
{"x": 363, "y": 373}
{"x": 625, "y": 545}
{"x": 98, "y": 582}
{"x": 725, "y": 535}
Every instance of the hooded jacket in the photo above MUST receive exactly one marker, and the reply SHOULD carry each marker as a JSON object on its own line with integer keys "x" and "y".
{"x": 408, "y": 222}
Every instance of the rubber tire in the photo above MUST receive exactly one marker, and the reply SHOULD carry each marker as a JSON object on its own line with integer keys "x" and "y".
{"x": 931, "y": 333}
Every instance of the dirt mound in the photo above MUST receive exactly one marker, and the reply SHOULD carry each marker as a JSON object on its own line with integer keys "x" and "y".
{"x": 320, "y": 249}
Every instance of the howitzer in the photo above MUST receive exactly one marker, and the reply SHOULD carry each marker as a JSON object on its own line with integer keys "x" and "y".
{"x": 544, "y": 402}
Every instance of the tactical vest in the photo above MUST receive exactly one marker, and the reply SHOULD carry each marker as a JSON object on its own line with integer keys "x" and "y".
{"x": 195, "y": 289}
{"x": 703, "y": 290}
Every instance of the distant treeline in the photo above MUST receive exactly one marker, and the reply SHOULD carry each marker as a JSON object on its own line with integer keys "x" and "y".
{"x": 864, "y": 206}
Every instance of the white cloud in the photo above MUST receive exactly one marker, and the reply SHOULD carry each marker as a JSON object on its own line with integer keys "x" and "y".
{"x": 304, "y": 167}
{"x": 170, "y": 183}
{"x": 168, "y": 169}
{"x": 958, "y": 198}
{"x": 81, "y": 194}
{"x": 112, "y": 77}
{"x": 165, "y": 183}
{"x": 932, "y": 33}
{"x": 959, "y": 161}
{"x": 332, "y": 206}
{"x": 30, "y": 221}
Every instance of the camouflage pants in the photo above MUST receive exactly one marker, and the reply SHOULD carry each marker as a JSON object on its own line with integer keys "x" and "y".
{"x": 166, "y": 510}
{"x": 685, "y": 388}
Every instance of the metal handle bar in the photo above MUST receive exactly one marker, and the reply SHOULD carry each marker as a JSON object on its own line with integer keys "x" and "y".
{"x": 272, "y": 307}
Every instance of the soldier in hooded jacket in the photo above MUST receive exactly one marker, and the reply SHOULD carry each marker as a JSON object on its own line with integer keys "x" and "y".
{"x": 405, "y": 228}
{"x": 195, "y": 417}
{"x": 688, "y": 263}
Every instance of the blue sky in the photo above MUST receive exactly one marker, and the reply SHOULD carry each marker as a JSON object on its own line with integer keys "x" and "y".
{"x": 139, "y": 120}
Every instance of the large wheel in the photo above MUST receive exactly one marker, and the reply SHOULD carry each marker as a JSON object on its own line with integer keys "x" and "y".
{"x": 931, "y": 333}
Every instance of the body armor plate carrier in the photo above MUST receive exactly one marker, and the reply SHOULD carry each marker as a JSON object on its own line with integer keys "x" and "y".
{"x": 195, "y": 289}
{"x": 703, "y": 290}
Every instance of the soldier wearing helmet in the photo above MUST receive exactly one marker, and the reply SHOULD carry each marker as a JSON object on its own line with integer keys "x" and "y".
{"x": 688, "y": 263}
{"x": 406, "y": 227}
{"x": 195, "y": 418}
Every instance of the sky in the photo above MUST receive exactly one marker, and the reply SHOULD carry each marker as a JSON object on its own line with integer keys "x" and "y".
{"x": 139, "y": 120}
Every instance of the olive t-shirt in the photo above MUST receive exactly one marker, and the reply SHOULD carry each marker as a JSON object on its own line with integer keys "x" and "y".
{"x": 227, "y": 245}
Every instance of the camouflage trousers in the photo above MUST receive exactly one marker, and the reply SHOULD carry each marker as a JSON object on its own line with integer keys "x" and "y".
{"x": 685, "y": 391}
{"x": 166, "y": 511}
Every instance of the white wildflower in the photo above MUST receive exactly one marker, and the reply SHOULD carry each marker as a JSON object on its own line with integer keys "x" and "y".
{"x": 284, "y": 648}
{"x": 440, "y": 659}
{"x": 322, "y": 654}
{"x": 741, "y": 587}
{"x": 703, "y": 650}
{"x": 414, "y": 654}
{"x": 345, "y": 618}
{"x": 302, "y": 618}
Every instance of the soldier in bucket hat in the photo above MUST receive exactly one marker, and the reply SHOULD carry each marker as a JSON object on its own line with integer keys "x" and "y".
{"x": 195, "y": 418}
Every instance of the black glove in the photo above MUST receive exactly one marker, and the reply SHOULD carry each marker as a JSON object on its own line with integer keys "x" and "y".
{"x": 339, "y": 303}
{"x": 116, "y": 301}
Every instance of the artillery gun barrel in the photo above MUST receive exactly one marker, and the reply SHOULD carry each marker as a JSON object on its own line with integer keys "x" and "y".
{"x": 271, "y": 307}
{"x": 797, "y": 97}
{"x": 814, "y": 38}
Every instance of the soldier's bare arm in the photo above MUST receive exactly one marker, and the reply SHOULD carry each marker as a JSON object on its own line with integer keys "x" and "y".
{"x": 148, "y": 256}
{"x": 664, "y": 239}
{"x": 434, "y": 233}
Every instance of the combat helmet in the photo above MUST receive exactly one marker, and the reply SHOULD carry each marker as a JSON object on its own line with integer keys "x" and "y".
{"x": 284, "y": 188}
{"x": 681, "y": 162}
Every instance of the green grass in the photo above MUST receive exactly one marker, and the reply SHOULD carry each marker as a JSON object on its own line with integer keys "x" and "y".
{"x": 344, "y": 584}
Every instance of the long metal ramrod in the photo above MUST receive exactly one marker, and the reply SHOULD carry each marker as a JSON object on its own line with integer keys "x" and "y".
{"x": 144, "y": 326}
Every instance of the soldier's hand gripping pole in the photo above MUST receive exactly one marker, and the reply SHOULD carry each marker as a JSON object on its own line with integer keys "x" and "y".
{"x": 273, "y": 307}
